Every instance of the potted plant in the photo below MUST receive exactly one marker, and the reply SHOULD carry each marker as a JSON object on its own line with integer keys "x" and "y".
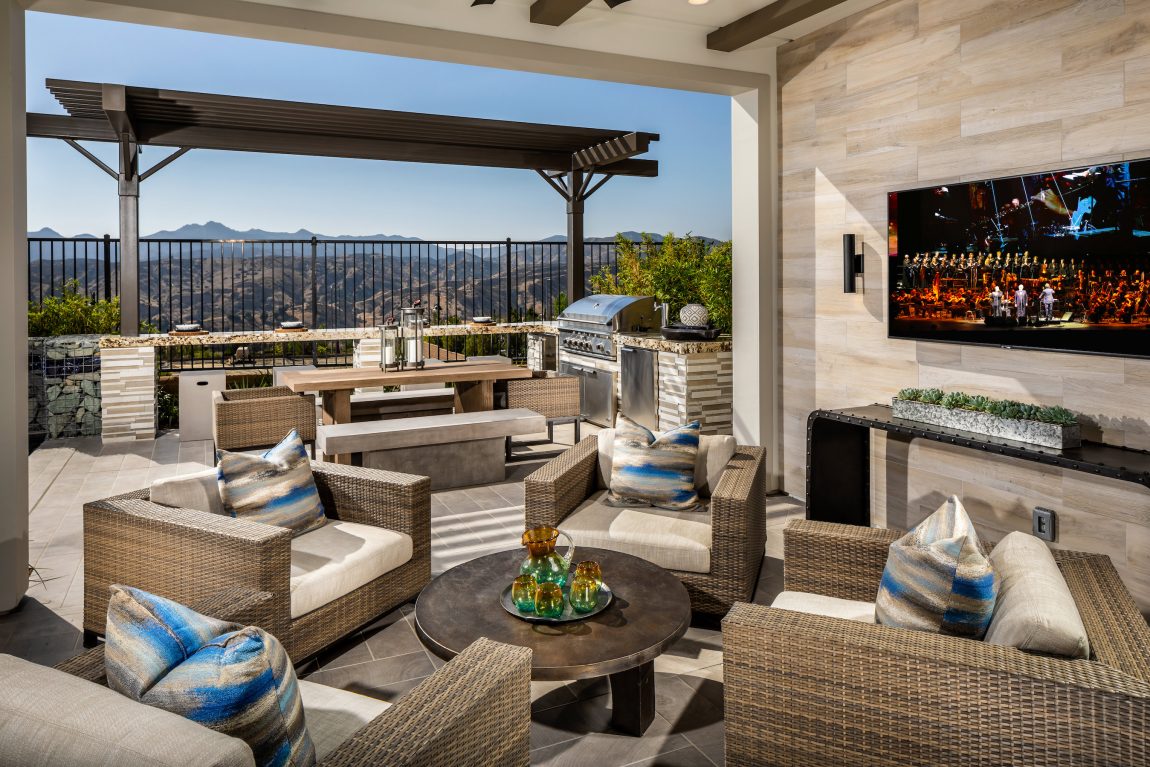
{"x": 1047, "y": 426}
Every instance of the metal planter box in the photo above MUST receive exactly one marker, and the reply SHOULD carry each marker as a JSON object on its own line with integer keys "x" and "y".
{"x": 1032, "y": 432}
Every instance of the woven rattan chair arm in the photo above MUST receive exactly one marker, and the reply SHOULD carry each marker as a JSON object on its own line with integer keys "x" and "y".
{"x": 811, "y": 690}
{"x": 182, "y": 554}
{"x": 87, "y": 665}
{"x": 1118, "y": 633}
{"x": 844, "y": 561}
{"x": 475, "y": 710}
{"x": 388, "y": 499}
{"x": 554, "y": 490}
{"x": 243, "y": 606}
{"x": 739, "y": 501}
{"x": 259, "y": 392}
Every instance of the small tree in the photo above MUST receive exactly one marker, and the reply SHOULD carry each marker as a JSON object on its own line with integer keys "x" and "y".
{"x": 678, "y": 270}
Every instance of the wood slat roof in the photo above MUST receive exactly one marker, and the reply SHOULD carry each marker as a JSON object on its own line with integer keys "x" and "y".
{"x": 97, "y": 112}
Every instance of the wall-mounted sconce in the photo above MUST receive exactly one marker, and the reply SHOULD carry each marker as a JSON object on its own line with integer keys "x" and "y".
{"x": 852, "y": 263}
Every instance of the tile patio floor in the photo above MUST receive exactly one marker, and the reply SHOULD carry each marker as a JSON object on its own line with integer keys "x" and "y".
{"x": 570, "y": 722}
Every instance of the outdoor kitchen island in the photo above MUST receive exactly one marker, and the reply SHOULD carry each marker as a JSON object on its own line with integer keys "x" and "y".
{"x": 691, "y": 379}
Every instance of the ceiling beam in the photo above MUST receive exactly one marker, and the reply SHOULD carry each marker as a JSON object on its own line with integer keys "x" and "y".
{"x": 765, "y": 22}
{"x": 555, "y": 12}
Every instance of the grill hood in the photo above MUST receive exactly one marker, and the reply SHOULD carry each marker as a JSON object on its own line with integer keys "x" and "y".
{"x": 621, "y": 313}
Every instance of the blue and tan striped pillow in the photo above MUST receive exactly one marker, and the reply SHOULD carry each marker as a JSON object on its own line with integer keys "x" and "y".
{"x": 276, "y": 488}
{"x": 654, "y": 471}
{"x": 238, "y": 681}
{"x": 937, "y": 579}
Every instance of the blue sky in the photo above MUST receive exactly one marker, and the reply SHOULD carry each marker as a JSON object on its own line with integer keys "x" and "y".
{"x": 338, "y": 196}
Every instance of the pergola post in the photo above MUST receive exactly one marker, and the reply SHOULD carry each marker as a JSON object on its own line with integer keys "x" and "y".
{"x": 576, "y": 280}
{"x": 129, "y": 190}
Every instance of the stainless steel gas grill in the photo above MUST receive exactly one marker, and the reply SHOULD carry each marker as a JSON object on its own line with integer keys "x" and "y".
{"x": 586, "y": 326}
{"x": 587, "y": 346}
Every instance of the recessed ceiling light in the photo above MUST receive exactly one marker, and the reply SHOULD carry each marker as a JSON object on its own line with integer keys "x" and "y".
{"x": 698, "y": 2}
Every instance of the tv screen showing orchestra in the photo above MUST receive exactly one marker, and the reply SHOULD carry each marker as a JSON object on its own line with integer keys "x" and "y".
{"x": 1055, "y": 260}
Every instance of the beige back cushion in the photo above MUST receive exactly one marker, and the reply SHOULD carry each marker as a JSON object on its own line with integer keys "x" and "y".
{"x": 715, "y": 452}
{"x": 199, "y": 491}
{"x": 1035, "y": 610}
{"x": 50, "y": 718}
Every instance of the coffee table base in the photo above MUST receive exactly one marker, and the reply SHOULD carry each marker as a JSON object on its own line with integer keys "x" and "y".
{"x": 633, "y": 699}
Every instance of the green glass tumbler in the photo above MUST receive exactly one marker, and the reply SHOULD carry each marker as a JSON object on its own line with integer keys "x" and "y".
{"x": 548, "y": 600}
{"x": 523, "y": 593}
{"x": 590, "y": 569}
{"x": 584, "y": 594}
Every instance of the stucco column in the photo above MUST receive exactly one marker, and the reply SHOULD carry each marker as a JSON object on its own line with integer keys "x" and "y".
{"x": 13, "y": 310}
{"x": 755, "y": 298}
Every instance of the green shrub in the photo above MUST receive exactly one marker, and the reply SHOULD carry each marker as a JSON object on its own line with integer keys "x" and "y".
{"x": 1057, "y": 415}
{"x": 910, "y": 395}
{"x": 679, "y": 271}
{"x": 167, "y": 408}
{"x": 73, "y": 313}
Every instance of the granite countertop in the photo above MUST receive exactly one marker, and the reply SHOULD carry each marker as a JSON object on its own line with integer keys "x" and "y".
{"x": 656, "y": 342}
{"x": 337, "y": 334}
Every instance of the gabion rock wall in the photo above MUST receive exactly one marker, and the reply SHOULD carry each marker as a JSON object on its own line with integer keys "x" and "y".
{"x": 64, "y": 386}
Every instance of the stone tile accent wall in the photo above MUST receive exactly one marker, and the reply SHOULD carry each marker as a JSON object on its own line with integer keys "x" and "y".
{"x": 541, "y": 351}
{"x": 696, "y": 386}
{"x": 128, "y": 387}
{"x": 913, "y": 93}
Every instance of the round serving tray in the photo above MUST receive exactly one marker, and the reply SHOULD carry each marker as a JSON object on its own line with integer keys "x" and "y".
{"x": 569, "y": 615}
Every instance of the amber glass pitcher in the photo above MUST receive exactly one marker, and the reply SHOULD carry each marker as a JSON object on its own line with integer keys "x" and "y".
{"x": 546, "y": 564}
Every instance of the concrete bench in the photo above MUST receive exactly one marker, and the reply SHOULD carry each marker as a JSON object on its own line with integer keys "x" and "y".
{"x": 375, "y": 406}
{"x": 454, "y": 450}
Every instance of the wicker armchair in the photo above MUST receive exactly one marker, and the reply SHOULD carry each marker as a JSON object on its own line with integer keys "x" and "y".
{"x": 247, "y": 418}
{"x": 475, "y": 710}
{"x": 188, "y": 555}
{"x": 738, "y": 518}
{"x": 553, "y": 396}
{"x": 810, "y": 690}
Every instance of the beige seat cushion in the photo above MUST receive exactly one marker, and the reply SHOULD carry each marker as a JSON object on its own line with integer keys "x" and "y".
{"x": 338, "y": 558}
{"x": 50, "y": 718}
{"x": 715, "y": 452}
{"x": 334, "y": 715}
{"x": 1035, "y": 610}
{"x": 830, "y": 607}
{"x": 675, "y": 540}
{"x": 199, "y": 491}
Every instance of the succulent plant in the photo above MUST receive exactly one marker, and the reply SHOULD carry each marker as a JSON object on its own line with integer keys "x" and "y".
{"x": 955, "y": 400}
{"x": 1056, "y": 415}
{"x": 931, "y": 396}
{"x": 979, "y": 403}
{"x": 1003, "y": 408}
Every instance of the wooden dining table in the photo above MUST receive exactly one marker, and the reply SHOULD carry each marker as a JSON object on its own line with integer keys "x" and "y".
{"x": 473, "y": 381}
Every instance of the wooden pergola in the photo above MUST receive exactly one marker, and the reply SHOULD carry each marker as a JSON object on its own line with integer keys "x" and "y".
{"x": 574, "y": 161}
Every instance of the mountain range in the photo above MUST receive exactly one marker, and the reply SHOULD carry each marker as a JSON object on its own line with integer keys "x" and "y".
{"x": 214, "y": 230}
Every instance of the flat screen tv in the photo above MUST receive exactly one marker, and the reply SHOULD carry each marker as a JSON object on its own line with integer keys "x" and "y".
{"x": 1057, "y": 261}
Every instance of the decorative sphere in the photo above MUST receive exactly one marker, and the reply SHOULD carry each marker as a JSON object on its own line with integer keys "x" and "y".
{"x": 695, "y": 315}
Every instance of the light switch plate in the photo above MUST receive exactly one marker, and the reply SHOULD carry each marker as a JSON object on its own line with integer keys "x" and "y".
{"x": 1043, "y": 523}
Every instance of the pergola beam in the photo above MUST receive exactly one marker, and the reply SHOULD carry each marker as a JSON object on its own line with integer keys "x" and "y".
{"x": 612, "y": 151}
{"x": 554, "y": 12}
{"x": 765, "y": 22}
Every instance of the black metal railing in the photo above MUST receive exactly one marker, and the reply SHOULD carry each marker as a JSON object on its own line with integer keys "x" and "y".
{"x": 239, "y": 285}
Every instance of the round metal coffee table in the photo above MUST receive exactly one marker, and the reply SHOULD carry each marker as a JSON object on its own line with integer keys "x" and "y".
{"x": 650, "y": 612}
